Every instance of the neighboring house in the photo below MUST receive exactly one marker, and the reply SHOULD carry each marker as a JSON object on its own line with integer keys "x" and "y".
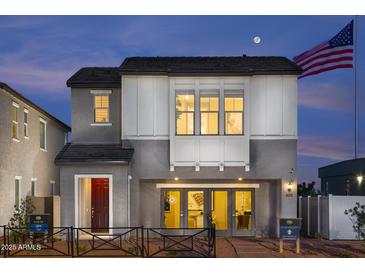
{"x": 173, "y": 141}
{"x": 343, "y": 178}
{"x": 30, "y": 139}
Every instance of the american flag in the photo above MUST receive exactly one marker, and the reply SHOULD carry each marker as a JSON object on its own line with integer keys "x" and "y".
{"x": 333, "y": 54}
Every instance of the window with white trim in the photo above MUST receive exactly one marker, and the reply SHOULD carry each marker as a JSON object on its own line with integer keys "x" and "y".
{"x": 42, "y": 134}
{"x": 52, "y": 188}
{"x": 185, "y": 103}
{"x": 25, "y": 128}
{"x": 209, "y": 113}
{"x": 233, "y": 112}
{"x": 17, "y": 192}
{"x": 101, "y": 108}
{"x": 33, "y": 189}
{"x": 15, "y": 116}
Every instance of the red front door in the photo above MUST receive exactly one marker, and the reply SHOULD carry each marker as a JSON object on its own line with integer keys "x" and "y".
{"x": 99, "y": 204}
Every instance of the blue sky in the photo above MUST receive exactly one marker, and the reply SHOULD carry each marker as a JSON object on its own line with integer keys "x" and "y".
{"x": 39, "y": 53}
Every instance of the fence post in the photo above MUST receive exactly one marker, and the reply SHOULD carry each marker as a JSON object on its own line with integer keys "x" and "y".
{"x": 308, "y": 216}
{"x": 72, "y": 241}
{"x": 319, "y": 216}
{"x": 330, "y": 216}
{"x": 214, "y": 242}
{"x": 142, "y": 253}
{"x": 4, "y": 236}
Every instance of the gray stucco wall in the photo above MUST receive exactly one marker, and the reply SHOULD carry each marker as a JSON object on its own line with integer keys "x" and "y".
{"x": 271, "y": 160}
{"x": 120, "y": 196}
{"x": 24, "y": 158}
{"x": 83, "y": 116}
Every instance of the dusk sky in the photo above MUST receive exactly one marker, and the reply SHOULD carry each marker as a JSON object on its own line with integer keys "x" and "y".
{"x": 39, "y": 53}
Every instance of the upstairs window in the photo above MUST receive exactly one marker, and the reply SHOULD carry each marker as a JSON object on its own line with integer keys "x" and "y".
{"x": 233, "y": 112}
{"x": 209, "y": 114}
{"x": 26, "y": 133}
{"x": 42, "y": 134}
{"x": 185, "y": 103}
{"x": 101, "y": 108}
{"x": 14, "y": 114}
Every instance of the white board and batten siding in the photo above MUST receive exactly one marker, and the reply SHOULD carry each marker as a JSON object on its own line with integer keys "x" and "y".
{"x": 210, "y": 150}
{"x": 145, "y": 107}
{"x": 273, "y": 107}
{"x": 148, "y": 112}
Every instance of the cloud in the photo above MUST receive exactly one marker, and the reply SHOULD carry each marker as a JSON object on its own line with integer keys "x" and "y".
{"x": 326, "y": 96}
{"x": 333, "y": 148}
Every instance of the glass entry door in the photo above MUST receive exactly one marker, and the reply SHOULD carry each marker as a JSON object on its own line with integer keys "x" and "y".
{"x": 172, "y": 211}
{"x": 196, "y": 208}
{"x": 243, "y": 213}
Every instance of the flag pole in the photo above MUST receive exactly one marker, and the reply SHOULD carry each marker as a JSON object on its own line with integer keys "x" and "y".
{"x": 356, "y": 90}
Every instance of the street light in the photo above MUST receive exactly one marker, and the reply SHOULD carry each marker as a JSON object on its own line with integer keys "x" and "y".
{"x": 359, "y": 179}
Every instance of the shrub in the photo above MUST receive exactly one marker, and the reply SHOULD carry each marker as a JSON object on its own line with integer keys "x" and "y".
{"x": 357, "y": 217}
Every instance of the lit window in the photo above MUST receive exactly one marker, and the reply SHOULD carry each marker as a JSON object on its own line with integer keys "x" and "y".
{"x": 42, "y": 134}
{"x": 209, "y": 115}
{"x": 101, "y": 108}
{"x": 17, "y": 192}
{"x": 233, "y": 114}
{"x": 26, "y": 113}
{"x": 14, "y": 132}
{"x": 184, "y": 114}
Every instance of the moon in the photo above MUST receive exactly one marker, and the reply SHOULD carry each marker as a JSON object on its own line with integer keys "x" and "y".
{"x": 257, "y": 40}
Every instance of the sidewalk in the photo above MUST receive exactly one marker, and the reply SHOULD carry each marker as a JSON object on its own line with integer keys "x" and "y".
{"x": 235, "y": 247}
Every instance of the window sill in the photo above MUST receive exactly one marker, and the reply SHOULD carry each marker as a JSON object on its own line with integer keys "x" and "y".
{"x": 101, "y": 124}
{"x": 44, "y": 150}
{"x": 26, "y": 137}
{"x": 16, "y": 140}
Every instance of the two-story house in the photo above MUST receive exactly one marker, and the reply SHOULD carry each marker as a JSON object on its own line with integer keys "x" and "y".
{"x": 175, "y": 141}
{"x": 30, "y": 139}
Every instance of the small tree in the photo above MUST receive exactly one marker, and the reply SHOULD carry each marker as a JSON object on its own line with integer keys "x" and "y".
{"x": 20, "y": 218}
{"x": 305, "y": 189}
{"x": 357, "y": 217}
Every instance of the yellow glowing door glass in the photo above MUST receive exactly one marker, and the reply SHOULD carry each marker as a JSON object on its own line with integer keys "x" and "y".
{"x": 243, "y": 210}
{"x": 184, "y": 114}
{"x": 171, "y": 210}
{"x": 220, "y": 209}
{"x": 195, "y": 209}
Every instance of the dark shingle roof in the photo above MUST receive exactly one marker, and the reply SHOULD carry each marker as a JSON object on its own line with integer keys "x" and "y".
{"x": 95, "y": 77}
{"x": 233, "y": 65}
{"x": 35, "y": 106}
{"x": 94, "y": 153}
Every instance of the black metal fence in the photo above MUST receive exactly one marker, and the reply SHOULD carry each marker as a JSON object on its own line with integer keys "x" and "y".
{"x": 109, "y": 242}
{"x": 185, "y": 242}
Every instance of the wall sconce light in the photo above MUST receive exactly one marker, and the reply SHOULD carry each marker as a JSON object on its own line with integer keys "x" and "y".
{"x": 240, "y": 179}
{"x": 176, "y": 178}
{"x": 359, "y": 179}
